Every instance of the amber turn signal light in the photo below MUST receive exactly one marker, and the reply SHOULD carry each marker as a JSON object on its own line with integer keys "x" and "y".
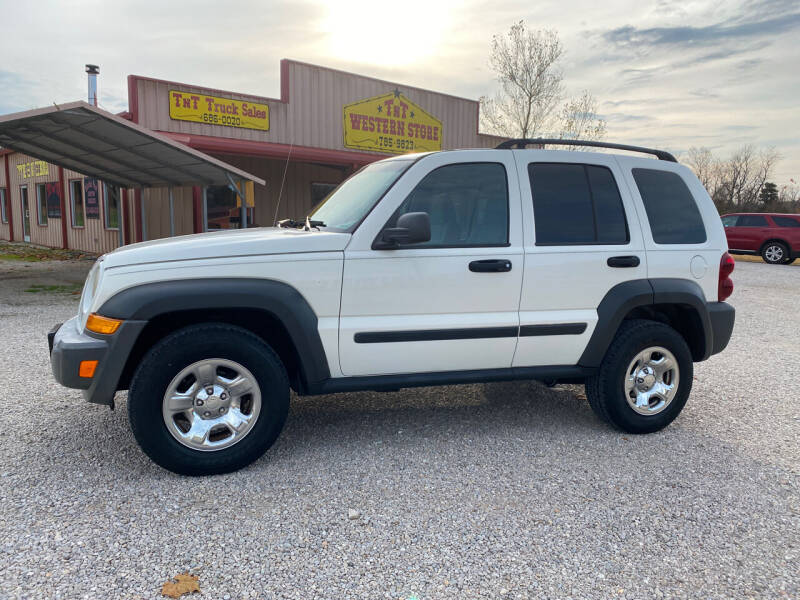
{"x": 99, "y": 324}
{"x": 87, "y": 368}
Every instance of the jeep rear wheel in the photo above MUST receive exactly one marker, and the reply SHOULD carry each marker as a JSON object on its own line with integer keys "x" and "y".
{"x": 775, "y": 253}
{"x": 208, "y": 399}
{"x": 645, "y": 378}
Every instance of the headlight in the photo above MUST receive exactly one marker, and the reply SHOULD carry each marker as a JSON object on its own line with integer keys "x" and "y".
{"x": 87, "y": 296}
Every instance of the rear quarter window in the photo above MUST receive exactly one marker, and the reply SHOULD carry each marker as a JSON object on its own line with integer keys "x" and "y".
{"x": 786, "y": 221}
{"x": 671, "y": 209}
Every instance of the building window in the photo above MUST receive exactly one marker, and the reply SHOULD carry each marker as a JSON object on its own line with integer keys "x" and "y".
{"x": 224, "y": 209}
{"x": 111, "y": 207}
{"x": 76, "y": 202}
{"x": 575, "y": 204}
{"x": 670, "y": 206}
{"x": 319, "y": 191}
{"x": 41, "y": 204}
{"x": 3, "y": 206}
{"x": 467, "y": 204}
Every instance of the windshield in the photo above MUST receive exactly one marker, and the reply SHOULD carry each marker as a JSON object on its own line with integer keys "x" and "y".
{"x": 345, "y": 207}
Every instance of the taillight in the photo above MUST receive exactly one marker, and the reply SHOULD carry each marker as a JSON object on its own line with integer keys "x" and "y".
{"x": 725, "y": 287}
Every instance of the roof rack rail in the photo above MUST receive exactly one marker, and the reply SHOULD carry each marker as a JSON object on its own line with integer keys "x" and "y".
{"x": 522, "y": 142}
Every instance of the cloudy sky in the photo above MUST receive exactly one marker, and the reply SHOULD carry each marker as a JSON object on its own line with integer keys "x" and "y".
{"x": 667, "y": 74}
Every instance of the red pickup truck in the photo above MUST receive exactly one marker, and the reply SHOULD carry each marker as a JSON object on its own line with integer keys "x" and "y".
{"x": 776, "y": 237}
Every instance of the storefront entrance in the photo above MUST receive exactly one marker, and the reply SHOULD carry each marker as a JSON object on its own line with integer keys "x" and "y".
{"x": 26, "y": 214}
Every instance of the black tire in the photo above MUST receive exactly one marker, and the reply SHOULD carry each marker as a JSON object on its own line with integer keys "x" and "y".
{"x": 183, "y": 348}
{"x": 789, "y": 261}
{"x": 606, "y": 390}
{"x": 775, "y": 253}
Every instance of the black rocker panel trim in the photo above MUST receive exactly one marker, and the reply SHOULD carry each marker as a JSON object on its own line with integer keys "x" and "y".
{"x": 429, "y": 335}
{"x": 284, "y": 302}
{"x": 473, "y": 333}
{"x": 407, "y": 380}
{"x": 552, "y": 329}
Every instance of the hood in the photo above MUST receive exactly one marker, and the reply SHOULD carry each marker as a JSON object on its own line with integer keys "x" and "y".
{"x": 235, "y": 242}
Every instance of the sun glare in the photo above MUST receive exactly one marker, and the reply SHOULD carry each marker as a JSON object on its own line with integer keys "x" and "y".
{"x": 392, "y": 33}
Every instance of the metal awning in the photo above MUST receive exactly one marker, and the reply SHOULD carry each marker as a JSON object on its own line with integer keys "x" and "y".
{"x": 97, "y": 143}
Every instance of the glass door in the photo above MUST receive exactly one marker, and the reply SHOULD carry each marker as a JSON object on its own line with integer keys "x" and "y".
{"x": 26, "y": 214}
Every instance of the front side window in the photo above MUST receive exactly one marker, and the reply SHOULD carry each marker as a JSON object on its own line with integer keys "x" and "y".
{"x": 348, "y": 204}
{"x": 671, "y": 210}
{"x": 786, "y": 221}
{"x": 729, "y": 221}
{"x": 111, "y": 207}
{"x": 3, "y": 206}
{"x": 467, "y": 204}
{"x": 41, "y": 203}
{"x": 575, "y": 204}
{"x": 76, "y": 202}
{"x": 752, "y": 221}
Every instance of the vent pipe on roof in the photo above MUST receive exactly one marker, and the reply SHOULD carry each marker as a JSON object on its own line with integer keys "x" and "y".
{"x": 93, "y": 71}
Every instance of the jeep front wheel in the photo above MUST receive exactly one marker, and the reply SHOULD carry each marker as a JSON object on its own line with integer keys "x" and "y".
{"x": 208, "y": 399}
{"x": 645, "y": 378}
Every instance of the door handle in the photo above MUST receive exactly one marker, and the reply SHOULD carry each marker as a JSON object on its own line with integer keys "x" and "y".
{"x": 490, "y": 266}
{"x": 622, "y": 262}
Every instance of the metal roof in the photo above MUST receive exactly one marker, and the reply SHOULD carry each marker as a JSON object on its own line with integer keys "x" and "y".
{"x": 94, "y": 142}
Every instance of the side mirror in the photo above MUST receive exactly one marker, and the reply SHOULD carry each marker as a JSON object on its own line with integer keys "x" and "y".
{"x": 411, "y": 228}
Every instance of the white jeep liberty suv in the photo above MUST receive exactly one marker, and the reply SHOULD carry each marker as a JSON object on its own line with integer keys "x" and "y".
{"x": 422, "y": 269}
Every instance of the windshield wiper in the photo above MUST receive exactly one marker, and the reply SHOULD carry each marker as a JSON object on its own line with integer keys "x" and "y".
{"x": 309, "y": 224}
{"x": 286, "y": 223}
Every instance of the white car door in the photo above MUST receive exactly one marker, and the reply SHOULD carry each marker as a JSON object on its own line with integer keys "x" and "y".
{"x": 582, "y": 237}
{"x": 449, "y": 304}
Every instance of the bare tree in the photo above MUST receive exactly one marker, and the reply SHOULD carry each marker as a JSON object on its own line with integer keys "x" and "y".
{"x": 706, "y": 167}
{"x": 735, "y": 183}
{"x": 579, "y": 120}
{"x": 525, "y": 63}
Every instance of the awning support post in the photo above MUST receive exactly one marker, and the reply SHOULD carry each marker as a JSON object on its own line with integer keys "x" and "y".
{"x": 244, "y": 206}
{"x": 118, "y": 197}
{"x": 144, "y": 215}
{"x": 242, "y": 199}
{"x": 205, "y": 208}
{"x": 171, "y": 213}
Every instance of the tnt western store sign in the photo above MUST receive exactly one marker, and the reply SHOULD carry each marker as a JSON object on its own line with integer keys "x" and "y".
{"x": 324, "y": 125}
{"x": 391, "y": 123}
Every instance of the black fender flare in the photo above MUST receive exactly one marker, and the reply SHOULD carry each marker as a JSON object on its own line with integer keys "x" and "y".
{"x": 628, "y": 295}
{"x": 146, "y": 301}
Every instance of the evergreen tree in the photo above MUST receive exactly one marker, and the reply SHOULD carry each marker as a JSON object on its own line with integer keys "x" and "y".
{"x": 768, "y": 198}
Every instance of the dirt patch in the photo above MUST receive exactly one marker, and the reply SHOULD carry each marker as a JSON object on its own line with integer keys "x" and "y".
{"x": 14, "y": 251}
{"x": 26, "y": 282}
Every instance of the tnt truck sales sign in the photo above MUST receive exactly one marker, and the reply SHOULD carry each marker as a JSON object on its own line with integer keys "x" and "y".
{"x": 390, "y": 123}
{"x": 211, "y": 110}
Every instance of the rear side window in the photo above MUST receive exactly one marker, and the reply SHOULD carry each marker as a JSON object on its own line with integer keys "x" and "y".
{"x": 576, "y": 205}
{"x": 752, "y": 221}
{"x": 730, "y": 221}
{"x": 671, "y": 209}
{"x": 786, "y": 222}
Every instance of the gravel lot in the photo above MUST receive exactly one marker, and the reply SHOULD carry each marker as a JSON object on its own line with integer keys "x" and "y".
{"x": 481, "y": 491}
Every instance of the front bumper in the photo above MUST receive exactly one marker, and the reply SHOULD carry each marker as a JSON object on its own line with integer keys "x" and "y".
{"x": 68, "y": 347}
